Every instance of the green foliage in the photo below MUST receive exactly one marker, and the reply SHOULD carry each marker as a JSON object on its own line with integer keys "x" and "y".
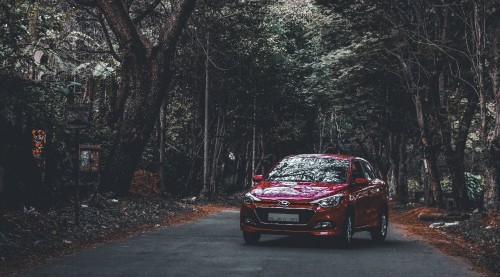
{"x": 13, "y": 31}
{"x": 30, "y": 103}
{"x": 446, "y": 185}
{"x": 308, "y": 77}
{"x": 475, "y": 186}
{"x": 26, "y": 26}
{"x": 26, "y": 106}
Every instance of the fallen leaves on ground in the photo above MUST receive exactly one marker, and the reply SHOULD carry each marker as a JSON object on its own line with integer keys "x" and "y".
{"x": 477, "y": 239}
{"x": 30, "y": 237}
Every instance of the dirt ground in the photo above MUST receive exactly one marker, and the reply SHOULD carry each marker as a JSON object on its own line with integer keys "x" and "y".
{"x": 476, "y": 239}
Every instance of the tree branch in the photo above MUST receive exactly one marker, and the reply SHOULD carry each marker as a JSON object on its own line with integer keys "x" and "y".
{"x": 117, "y": 16}
{"x": 88, "y": 3}
{"x": 108, "y": 39}
{"x": 175, "y": 24}
{"x": 118, "y": 106}
{"x": 146, "y": 12}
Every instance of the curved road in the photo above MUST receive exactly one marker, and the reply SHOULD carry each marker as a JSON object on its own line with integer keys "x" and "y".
{"x": 213, "y": 246}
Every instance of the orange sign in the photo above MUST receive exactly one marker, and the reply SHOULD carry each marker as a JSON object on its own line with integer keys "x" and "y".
{"x": 39, "y": 141}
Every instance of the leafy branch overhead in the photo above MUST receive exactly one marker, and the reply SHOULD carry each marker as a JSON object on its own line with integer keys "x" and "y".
{"x": 207, "y": 94}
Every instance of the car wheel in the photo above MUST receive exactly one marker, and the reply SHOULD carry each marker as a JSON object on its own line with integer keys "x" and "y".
{"x": 348, "y": 230}
{"x": 251, "y": 237}
{"x": 379, "y": 233}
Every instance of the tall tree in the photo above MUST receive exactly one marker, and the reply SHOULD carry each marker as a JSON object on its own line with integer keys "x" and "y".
{"x": 482, "y": 21}
{"x": 350, "y": 75}
{"x": 423, "y": 45}
{"x": 479, "y": 27}
{"x": 146, "y": 72}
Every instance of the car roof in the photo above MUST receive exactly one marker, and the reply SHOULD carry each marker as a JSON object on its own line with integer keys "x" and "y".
{"x": 332, "y": 156}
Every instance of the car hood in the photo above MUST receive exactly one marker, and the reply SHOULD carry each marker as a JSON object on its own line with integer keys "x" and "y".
{"x": 267, "y": 190}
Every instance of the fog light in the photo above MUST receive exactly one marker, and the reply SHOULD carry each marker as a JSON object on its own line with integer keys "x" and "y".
{"x": 323, "y": 225}
{"x": 249, "y": 221}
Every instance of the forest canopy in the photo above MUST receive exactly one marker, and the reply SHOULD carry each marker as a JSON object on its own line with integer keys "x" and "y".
{"x": 206, "y": 94}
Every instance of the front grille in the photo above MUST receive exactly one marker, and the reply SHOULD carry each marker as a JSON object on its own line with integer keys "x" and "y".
{"x": 305, "y": 215}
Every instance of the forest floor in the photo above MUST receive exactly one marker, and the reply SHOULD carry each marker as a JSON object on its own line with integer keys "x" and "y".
{"x": 30, "y": 238}
{"x": 476, "y": 239}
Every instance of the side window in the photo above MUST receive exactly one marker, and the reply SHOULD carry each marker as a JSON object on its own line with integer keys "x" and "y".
{"x": 369, "y": 171}
{"x": 357, "y": 171}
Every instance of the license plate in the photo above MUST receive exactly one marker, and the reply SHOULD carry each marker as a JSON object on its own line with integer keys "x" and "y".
{"x": 283, "y": 217}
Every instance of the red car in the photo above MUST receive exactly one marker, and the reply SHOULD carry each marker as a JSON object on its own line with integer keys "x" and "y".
{"x": 318, "y": 194}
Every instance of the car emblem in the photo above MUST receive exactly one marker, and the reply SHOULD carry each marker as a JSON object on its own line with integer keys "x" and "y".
{"x": 284, "y": 203}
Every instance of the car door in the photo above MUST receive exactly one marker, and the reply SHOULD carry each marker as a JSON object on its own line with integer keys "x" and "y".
{"x": 360, "y": 199}
{"x": 375, "y": 195}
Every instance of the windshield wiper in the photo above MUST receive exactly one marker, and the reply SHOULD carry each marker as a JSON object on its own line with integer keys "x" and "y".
{"x": 280, "y": 177}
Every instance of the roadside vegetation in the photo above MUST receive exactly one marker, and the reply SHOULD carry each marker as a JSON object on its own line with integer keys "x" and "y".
{"x": 32, "y": 237}
{"x": 475, "y": 239}
{"x": 199, "y": 96}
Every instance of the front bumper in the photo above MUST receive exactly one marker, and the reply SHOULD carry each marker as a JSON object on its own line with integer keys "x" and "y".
{"x": 313, "y": 219}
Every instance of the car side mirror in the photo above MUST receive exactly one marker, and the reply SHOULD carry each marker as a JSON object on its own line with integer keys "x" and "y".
{"x": 361, "y": 181}
{"x": 257, "y": 178}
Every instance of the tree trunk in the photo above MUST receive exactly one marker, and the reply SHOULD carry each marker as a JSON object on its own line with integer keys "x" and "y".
{"x": 424, "y": 180}
{"x": 402, "y": 182}
{"x": 394, "y": 171}
{"x": 149, "y": 69}
{"x": 391, "y": 180}
{"x": 479, "y": 62}
{"x": 102, "y": 101}
{"x": 253, "y": 142}
{"x": 322, "y": 124}
{"x": 204, "y": 190}
{"x": 456, "y": 156}
{"x": 219, "y": 136}
{"x": 135, "y": 131}
{"x": 423, "y": 112}
{"x": 430, "y": 153}
{"x": 492, "y": 180}
{"x": 492, "y": 151}
{"x": 248, "y": 166}
{"x": 434, "y": 180}
{"x": 161, "y": 148}
{"x": 442, "y": 216}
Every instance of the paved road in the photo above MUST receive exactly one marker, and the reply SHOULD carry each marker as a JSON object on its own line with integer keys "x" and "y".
{"x": 213, "y": 246}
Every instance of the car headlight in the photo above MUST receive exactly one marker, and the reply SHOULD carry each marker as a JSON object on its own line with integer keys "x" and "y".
{"x": 249, "y": 198}
{"x": 330, "y": 201}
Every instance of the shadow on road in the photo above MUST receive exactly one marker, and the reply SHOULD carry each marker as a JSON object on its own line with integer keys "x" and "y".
{"x": 324, "y": 243}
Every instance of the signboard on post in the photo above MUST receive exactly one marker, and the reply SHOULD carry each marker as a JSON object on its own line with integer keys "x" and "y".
{"x": 78, "y": 116}
{"x": 89, "y": 158}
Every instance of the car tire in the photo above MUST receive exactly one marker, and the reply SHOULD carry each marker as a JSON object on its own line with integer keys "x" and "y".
{"x": 348, "y": 230}
{"x": 251, "y": 237}
{"x": 380, "y": 232}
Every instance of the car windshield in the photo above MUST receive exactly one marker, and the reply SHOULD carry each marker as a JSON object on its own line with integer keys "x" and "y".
{"x": 310, "y": 169}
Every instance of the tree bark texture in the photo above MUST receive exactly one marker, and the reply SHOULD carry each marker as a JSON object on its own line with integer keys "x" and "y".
{"x": 402, "y": 181}
{"x": 147, "y": 71}
{"x": 393, "y": 178}
{"x": 161, "y": 148}
{"x": 216, "y": 171}
{"x": 492, "y": 153}
{"x": 434, "y": 180}
{"x": 456, "y": 156}
{"x": 205, "y": 189}
{"x": 430, "y": 152}
{"x": 492, "y": 181}
{"x": 425, "y": 109}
